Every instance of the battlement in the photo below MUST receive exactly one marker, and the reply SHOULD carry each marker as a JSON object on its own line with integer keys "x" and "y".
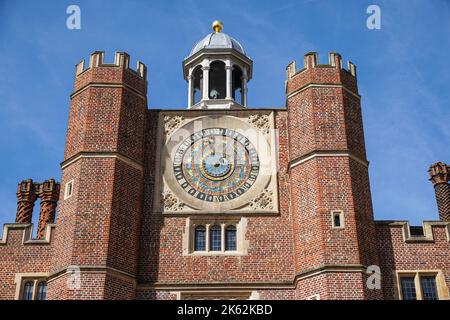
{"x": 311, "y": 60}
{"x": 121, "y": 59}
{"x": 314, "y": 73}
{"x": 12, "y": 232}
{"x": 413, "y": 234}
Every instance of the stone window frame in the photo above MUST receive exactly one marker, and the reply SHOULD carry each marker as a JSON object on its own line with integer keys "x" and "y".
{"x": 209, "y": 221}
{"x": 22, "y": 278}
{"x": 68, "y": 186}
{"x": 341, "y": 219}
{"x": 314, "y": 297}
{"x": 441, "y": 286}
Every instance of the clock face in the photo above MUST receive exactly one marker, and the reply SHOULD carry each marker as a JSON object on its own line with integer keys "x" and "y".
{"x": 216, "y": 165}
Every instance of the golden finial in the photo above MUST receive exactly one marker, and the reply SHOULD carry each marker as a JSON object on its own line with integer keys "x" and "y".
{"x": 217, "y": 26}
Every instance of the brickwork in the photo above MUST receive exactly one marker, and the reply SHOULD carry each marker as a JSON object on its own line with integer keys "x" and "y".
{"x": 396, "y": 254}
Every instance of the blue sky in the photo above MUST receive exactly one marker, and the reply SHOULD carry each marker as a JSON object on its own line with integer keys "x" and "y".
{"x": 403, "y": 74}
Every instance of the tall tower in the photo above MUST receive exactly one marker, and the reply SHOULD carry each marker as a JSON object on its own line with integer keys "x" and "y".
{"x": 96, "y": 243}
{"x": 217, "y": 71}
{"x": 334, "y": 230}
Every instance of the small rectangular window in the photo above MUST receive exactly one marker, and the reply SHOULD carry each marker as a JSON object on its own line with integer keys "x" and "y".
{"x": 408, "y": 288}
{"x": 68, "y": 190}
{"x": 337, "y": 219}
{"x": 429, "y": 289}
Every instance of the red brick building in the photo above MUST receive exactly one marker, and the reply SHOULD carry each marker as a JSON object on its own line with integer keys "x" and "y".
{"x": 218, "y": 200}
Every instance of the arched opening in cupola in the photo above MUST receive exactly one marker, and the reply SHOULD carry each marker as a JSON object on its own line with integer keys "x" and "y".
{"x": 197, "y": 79}
{"x": 236, "y": 81}
{"x": 217, "y": 80}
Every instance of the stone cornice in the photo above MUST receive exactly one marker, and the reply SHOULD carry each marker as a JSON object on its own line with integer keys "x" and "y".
{"x": 100, "y": 154}
{"x": 325, "y": 153}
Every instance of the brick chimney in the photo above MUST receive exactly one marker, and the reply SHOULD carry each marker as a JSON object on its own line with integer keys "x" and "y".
{"x": 26, "y": 196}
{"x": 439, "y": 176}
{"x": 49, "y": 194}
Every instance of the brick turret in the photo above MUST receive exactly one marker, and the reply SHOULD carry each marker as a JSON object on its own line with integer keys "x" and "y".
{"x": 98, "y": 218}
{"x": 439, "y": 176}
{"x": 331, "y": 202}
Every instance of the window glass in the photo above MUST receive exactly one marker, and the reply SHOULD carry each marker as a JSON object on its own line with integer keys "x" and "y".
{"x": 28, "y": 290}
{"x": 216, "y": 238}
{"x": 230, "y": 237}
{"x": 429, "y": 289}
{"x": 41, "y": 291}
{"x": 337, "y": 220}
{"x": 408, "y": 288}
{"x": 200, "y": 239}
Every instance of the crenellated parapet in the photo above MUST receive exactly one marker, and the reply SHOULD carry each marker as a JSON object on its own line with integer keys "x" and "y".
{"x": 24, "y": 232}
{"x": 118, "y": 72}
{"x": 314, "y": 73}
{"x": 417, "y": 234}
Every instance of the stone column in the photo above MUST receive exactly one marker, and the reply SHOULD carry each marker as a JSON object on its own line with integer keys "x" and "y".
{"x": 244, "y": 87}
{"x": 49, "y": 193}
{"x": 439, "y": 176}
{"x": 190, "y": 91}
{"x": 229, "y": 72}
{"x": 205, "y": 95}
{"x": 26, "y": 197}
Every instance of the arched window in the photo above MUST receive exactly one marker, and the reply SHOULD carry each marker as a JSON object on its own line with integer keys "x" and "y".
{"x": 215, "y": 238}
{"x": 236, "y": 89}
{"x": 41, "y": 290}
{"x": 200, "y": 238}
{"x": 197, "y": 90}
{"x": 230, "y": 238}
{"x": 28, "y": 290}
{"x": 217, "y": 80}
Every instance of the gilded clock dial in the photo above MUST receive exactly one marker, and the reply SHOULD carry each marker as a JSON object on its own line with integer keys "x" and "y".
{"x": 216, "y": 165}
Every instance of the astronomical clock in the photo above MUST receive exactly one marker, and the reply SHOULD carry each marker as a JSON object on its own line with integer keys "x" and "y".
{"x": 217, "y": 162}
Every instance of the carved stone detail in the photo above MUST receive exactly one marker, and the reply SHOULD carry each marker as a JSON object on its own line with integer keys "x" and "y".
{"x": 169, "y": 202}
{"x": 260, "y": 121}
{"x": 263, "y": 201}
{"x": 171, "y": 123}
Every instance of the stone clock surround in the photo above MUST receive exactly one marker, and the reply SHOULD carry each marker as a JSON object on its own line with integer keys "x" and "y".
{"x": 176, "y": 126}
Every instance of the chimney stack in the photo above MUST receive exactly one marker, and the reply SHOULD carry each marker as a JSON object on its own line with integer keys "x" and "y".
{"x": 439, "y": 176}
{"x": 49, "y": 194}
{"x": 26, "y": 196}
